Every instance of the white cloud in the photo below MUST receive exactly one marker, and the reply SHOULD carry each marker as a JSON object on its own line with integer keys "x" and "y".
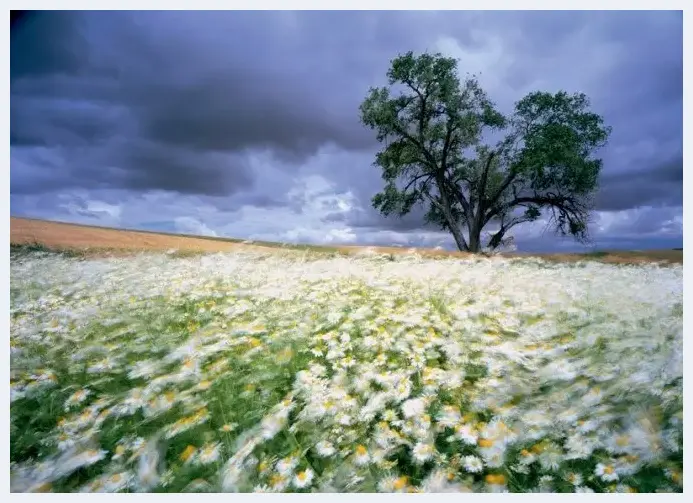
{"x": 190, "y": 225}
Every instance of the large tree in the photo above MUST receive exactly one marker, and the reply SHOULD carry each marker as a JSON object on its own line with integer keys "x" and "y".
{"x": 436, "y": 151}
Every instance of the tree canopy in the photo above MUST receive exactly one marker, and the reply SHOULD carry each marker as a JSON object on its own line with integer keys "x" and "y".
{"x": 435, "y": 153}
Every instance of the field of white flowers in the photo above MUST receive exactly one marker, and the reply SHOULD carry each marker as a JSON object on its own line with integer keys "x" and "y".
{"x": 293, "y": 372}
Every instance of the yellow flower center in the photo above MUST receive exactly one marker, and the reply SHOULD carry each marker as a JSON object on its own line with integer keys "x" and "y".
{"x": 188, "y": 452}
{"x": 361, "y": 450}
{"x": 400, "y": 483}
{"x": 485, "y": 442}
{"x": 498, "y": 479}
{"x": 538, "y": 448}
{"x": 205, "y": 385}
{"x": 302, "y": 476}
{"x": 623, "y": 441}
{"x": 120, "y": 450}
{"x": 115, "y": 478}
{"x": 609, "y": 469}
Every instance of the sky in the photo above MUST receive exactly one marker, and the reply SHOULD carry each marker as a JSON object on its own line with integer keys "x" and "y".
{"x": 246, "y": 124}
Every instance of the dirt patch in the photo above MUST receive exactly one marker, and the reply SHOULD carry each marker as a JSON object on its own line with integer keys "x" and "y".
{"x": 102, "y": 240}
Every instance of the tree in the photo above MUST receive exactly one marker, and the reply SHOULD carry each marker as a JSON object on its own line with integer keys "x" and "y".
{"x": 434, "y": 153}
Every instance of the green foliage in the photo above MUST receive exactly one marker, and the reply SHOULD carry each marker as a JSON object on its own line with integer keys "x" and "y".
{"x": 434, "y": 154}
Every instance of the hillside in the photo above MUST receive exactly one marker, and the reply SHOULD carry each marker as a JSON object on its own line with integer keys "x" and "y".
{"x": 93, "y": 240}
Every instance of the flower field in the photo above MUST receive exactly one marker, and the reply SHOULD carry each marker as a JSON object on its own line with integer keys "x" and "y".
{"x": 291, "y": 371}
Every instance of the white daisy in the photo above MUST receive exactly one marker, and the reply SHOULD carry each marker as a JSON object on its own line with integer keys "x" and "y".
{"x": 413, "y": 407}
{"x": 76, "y": 398}
{"x": 209, "y": 453}
{"x": 325, "y": 449}
{"x": 583, "y": 489}
{"x": 606, "y": 472}
{"x": 472, "y": 464}
{"x": 303, "y": 479}
{"x": 285, "y": 466}
{"x": 449, "y": 417}
{"x": 361, "y": 456}
{"x": 422, "y": 452}
{"x": 574, "y": 478}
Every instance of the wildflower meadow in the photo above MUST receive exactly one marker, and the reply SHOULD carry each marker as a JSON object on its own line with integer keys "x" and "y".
{"x": 299, "y": 371}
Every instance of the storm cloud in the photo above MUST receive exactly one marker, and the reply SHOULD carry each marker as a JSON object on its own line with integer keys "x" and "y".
{"x": 245, "y": 124}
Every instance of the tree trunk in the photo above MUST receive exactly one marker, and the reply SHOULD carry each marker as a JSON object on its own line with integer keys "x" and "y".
{"x": 475, "y": 238}
{"x": 445, "y": 207}
{"x": 459, "y": 239}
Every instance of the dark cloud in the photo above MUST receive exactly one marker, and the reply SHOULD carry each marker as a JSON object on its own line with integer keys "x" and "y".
{"x": 45, "y": 43}
{"x": 185, "y": 102}
{"x": 660, "y": 185}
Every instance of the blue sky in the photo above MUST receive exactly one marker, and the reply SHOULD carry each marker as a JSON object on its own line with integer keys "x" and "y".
{"x": 245, "y": 124}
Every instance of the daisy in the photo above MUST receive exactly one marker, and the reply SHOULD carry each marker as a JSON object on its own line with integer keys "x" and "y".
{"x": 466, "y": 434}
{"x": 285, "y": 466}
{"x": 188, "y": 454}
{"x": 472, "y": 464}
{"x": 449, "y": 416}
{"x": 271, "y": 425}
{"x": 413, "y": 407}
{"x": 546, "y": 483}
{"x": 262, "y": 488}
{"x": 389, "y": 415}
{"x": 361, "y": 456}
{"x": 325, "y": 449}
{"x": 551, "y": 457}
{"x": 606, "y": 472}
{"x": 278, "y": 482}
{"x": 495, "y": 481}
{"x": 65, "y": 441}
{"x": 120, "y": 451}
{"x": 583, "y": 489}
{"x": 76, "y": 398}
{"x": 574, "y": 478}
{"x": 117, "y": 482}
{"x": 209, "y": 453}
{"x": 391, "y": 484}
{"x": 303, "y": 479}
{"x": 422, "y": 452}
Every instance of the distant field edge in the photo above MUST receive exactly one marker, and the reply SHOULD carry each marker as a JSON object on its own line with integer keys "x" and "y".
{"x": 88, "y": 240}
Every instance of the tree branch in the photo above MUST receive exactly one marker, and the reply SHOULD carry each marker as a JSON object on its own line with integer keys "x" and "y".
{"x": 459, "y": 195}
{"x": 484, "y": 181}
{"x": 497, "y": 238}
{"x": 419, "y": 177}
{"x": 446, "y": 143}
